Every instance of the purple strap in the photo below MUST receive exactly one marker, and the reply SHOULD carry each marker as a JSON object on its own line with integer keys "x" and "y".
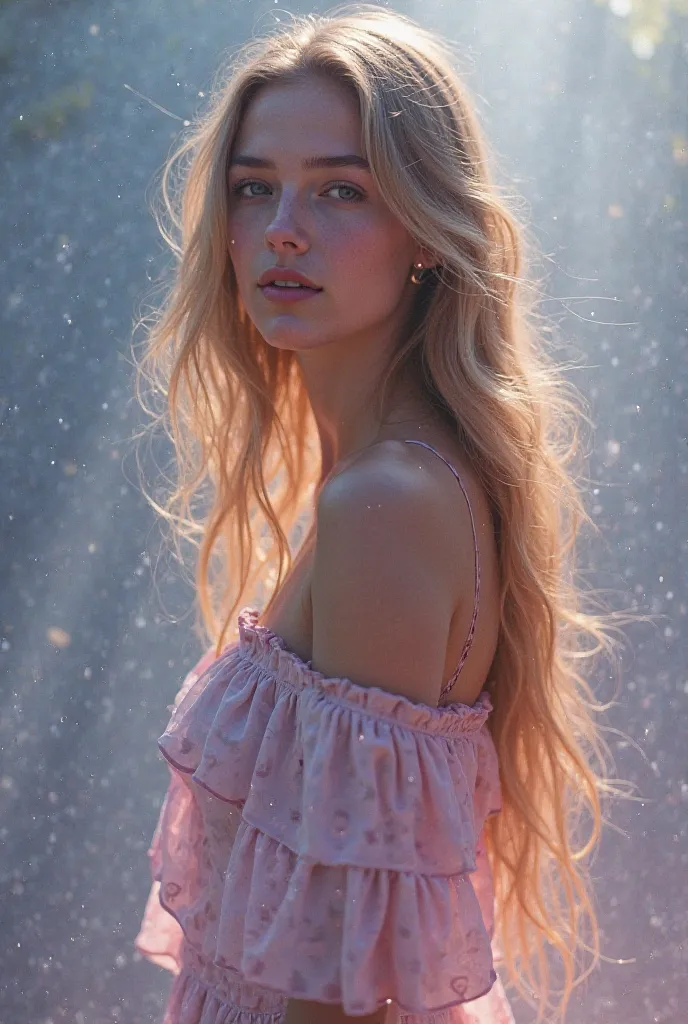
{"x": 471, "y": 631}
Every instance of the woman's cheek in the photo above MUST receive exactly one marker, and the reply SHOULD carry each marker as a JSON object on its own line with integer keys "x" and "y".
{"x": 379, "y": 268}
{"x": 358, "y": 254}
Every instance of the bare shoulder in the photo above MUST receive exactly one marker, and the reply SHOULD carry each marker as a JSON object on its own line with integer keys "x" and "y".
{"x": 391, "y": 531}
{"x": 391, "y": 473}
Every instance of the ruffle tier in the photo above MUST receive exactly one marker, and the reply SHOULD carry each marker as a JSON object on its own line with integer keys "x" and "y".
{"x": 318, "y": 837}
{"x": 204, "y": 994}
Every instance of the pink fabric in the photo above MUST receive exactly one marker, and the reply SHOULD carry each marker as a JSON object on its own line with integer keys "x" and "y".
{"x": 320, "y": 840}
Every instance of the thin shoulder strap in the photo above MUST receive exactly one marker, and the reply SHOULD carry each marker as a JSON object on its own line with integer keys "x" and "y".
{"x": 471, "y": 631}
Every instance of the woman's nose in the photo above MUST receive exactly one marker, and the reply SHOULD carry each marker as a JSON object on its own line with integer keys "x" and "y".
{"x": 285, "y": 230}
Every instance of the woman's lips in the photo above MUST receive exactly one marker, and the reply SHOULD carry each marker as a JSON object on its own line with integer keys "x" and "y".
{"x": 276, "y": 294}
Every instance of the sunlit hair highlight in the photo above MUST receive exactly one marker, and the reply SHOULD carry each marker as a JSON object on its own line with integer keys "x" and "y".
{"x": 248, "y": 462}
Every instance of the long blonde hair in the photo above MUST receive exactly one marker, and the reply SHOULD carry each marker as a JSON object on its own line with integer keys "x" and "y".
{"x": 248, "y": 461}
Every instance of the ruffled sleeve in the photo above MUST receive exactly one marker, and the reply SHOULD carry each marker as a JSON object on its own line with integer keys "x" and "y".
{"x": 160, "y": 937}
{"x": 348, "y": 878}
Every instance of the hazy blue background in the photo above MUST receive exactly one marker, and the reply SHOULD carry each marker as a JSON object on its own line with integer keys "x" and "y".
{"x": 587, "y": 106}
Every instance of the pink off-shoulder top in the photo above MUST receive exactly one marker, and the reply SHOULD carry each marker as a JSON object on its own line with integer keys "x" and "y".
{"x": 321, "y": 840}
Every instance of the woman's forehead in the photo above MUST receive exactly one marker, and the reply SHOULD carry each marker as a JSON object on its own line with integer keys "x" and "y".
{"x": 315, "y": 111}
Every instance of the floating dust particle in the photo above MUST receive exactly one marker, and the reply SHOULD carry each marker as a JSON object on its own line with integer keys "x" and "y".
{"x": 58, "y": 637}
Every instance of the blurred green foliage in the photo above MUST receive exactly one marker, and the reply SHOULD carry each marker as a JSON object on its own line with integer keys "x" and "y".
{"x": 647, "y": 22}
{"x": 47, "y": 120}
{"x": 6, "y": 52}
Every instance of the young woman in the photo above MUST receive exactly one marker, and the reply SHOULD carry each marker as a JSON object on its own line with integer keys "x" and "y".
{"x": 397, "y": 744}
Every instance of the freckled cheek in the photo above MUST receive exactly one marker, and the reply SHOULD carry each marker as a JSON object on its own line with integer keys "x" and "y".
{"x": 366, "y": 264}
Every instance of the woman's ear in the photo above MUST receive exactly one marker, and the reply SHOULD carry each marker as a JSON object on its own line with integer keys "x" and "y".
{"x": 426, "y": 258}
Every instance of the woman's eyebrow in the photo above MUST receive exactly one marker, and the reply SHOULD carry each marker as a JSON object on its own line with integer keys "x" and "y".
{"x": 309, "y": 164}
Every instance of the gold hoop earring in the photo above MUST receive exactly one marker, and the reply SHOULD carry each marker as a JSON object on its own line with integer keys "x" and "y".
{"x": 415, "y": 279}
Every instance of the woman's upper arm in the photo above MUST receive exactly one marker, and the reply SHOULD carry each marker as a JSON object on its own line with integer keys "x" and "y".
{"x": 383, "y": 589}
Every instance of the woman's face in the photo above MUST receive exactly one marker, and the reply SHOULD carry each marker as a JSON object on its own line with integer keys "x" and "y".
{"x": 329, "y": 223}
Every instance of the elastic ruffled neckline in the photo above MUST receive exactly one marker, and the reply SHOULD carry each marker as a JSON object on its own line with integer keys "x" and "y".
{"x": 265, "y": 647}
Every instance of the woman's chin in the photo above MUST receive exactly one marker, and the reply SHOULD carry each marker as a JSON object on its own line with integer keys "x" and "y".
{"x": 288, "y": 332}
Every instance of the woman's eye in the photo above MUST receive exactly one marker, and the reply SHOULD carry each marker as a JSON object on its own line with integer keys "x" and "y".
{"x": 347, "y": 188}
{"x": 238, "y": 189}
